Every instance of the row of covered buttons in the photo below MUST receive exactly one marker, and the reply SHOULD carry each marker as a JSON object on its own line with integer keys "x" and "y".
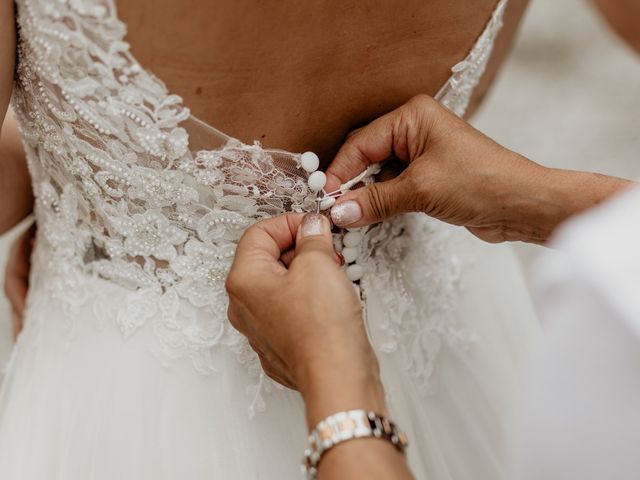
{"x": 350, "y": 247}
{"x": 351, "y": 243}
{"x": 310, "y": 162}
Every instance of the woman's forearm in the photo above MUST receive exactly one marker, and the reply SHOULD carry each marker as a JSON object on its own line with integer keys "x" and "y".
{"x": 546, "y": 197}
{"x": 16, "y": 197}
{"x": 364, "y": 459}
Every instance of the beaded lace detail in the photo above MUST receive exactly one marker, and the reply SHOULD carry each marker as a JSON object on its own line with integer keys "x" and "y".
{"x": 456, "y": 93}
{"x": 133, "y": 189}
{"x": 412, "y": 264}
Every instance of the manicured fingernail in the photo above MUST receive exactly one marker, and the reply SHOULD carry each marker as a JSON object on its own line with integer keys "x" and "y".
{"x": 340, "y": 259}
{"x": 314, "y": 224}
{"x": 346, "y": 213}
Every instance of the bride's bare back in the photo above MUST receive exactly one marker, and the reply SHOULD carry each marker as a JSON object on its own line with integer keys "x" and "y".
{"x": 301, "y": 75}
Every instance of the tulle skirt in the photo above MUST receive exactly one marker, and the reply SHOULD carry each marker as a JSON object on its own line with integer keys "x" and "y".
{"x": 81, "y": 403}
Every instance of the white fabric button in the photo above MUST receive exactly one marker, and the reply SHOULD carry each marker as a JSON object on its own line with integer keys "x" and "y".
{"x": 317, "y": 181}
{"x": 350, "y": 254}
{"x": 309, "y": 161}
{"x": 327, "y": 203}
{"x": 352, "y": 239}
{"x": 355, "y": 272}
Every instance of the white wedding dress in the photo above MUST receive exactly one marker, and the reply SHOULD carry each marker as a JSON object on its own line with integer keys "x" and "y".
{"x": 128, "y": 368}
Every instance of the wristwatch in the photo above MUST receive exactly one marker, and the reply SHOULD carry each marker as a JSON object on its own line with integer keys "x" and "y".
{"x": 344, "y": 426}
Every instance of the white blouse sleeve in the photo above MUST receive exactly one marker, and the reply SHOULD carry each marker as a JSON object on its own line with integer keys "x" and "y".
{"x": 580, "y": 416}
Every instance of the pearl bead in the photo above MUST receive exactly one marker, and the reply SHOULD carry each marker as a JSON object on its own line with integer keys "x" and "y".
{"x": 355, "y": 272}
{"x": 309, "y": 161}
{"x": 317, "y": 181}
{"x": 350, "y": 254}
{"x": 327, "y": 203}
{"x": 352, "y": 239}
{"x": 459, "y": 67}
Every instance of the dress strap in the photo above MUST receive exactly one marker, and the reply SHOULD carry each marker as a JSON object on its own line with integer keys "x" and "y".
{"x": 456, "y": 93}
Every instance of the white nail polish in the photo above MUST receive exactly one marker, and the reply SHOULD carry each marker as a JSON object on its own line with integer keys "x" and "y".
{"x": 346, "y": 213}
{"x": 313, "y": 224}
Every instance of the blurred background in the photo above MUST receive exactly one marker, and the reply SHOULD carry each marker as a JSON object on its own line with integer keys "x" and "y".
{"x": 568, "y": 97}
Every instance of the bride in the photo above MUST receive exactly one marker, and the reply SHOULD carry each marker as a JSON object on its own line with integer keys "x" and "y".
{"x": 127, "y": 366}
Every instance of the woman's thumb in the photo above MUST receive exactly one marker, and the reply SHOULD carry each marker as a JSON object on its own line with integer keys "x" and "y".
{"x": 314, "y": 234}
{"x": 372, "y": 204}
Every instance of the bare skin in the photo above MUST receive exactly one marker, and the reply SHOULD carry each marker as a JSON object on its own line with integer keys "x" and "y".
{"x": 15, "y": 189}
{"x": 15, "y": 182}
{"x": 301, "y": 75}
{"x": 7, "y": 53}
{"x": 623, "y": 16}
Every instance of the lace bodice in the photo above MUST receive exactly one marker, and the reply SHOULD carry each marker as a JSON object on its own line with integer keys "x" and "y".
{"x": 133, "y": 189}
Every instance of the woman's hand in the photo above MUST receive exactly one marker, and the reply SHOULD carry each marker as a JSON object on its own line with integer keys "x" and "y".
{"x": 304, "y": 320}
{"x": 442, "y": 166}
{"x": 16, "y": 277}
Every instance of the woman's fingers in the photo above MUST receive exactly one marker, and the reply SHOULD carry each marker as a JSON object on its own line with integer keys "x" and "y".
{"x": 276, "y": 373}
{"x": 259, "y": 252}
{"x": 287, "y": 258}
{"x": 314, "y": 235}
{"x": 398, "y": 139}
{"x": 271, "y": 363}
{"x": 374, "y": 203}
{"x": 368, "y": 145}
{"x": 270, "y": 238}
{"x": 390, "y": 170}
{"x": 401, "y": 135}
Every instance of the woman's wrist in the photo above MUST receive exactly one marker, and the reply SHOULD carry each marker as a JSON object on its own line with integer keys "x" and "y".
{"x": 546, "y": 197}
{"x": 340, "y": 380}
{"x": 536, "y": 205}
